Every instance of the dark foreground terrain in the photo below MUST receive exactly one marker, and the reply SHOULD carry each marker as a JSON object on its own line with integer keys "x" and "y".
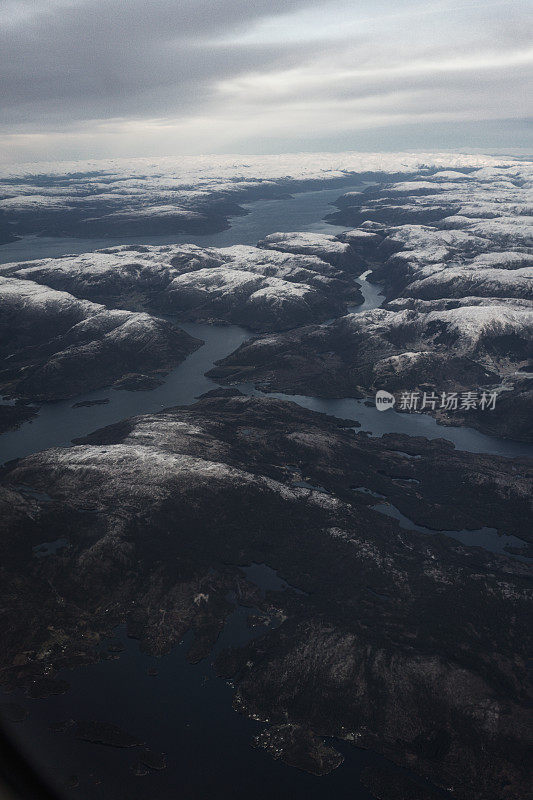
{"x": 410, "y": 644}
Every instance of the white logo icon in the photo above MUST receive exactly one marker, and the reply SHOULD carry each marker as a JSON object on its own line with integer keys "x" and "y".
{"x": 384, "y": 400}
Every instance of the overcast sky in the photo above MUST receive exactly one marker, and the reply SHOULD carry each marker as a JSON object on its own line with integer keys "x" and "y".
{"x": 98, "y": 78}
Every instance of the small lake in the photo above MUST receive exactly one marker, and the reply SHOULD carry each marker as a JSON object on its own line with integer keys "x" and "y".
{"x": 486, "y": 538}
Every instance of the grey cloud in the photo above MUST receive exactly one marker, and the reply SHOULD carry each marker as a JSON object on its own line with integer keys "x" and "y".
{"x": 105, "y": 58}
{"x": 79, "y": 65}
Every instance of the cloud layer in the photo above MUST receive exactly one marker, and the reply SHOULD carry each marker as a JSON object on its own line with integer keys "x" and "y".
{"x": 89, "y": 78}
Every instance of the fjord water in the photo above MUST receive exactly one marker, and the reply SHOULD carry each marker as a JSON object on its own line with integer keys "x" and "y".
{"x": 58, "y": 423}
{"x": 185, "y": 710}
{"x": 378, "y": 423}
{"x": 301, "y": 212}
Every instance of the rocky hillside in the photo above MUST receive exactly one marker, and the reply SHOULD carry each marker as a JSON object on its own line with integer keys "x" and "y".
{"x": 407, "y": 643}
{"x": 54, "y": 345}
{"x": 262, "y": 289}
{"x": 458, "y": 311}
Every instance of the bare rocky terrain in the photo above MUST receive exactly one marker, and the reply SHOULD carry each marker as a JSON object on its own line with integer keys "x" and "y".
{"x": 262, "y": 289}
{"x": 458, "y": 311}
{"x": 122, "y": 197}
{"x": 402, "y": 627}
{"x": 54, "y": 345}
{"x": 410, "y": 644}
